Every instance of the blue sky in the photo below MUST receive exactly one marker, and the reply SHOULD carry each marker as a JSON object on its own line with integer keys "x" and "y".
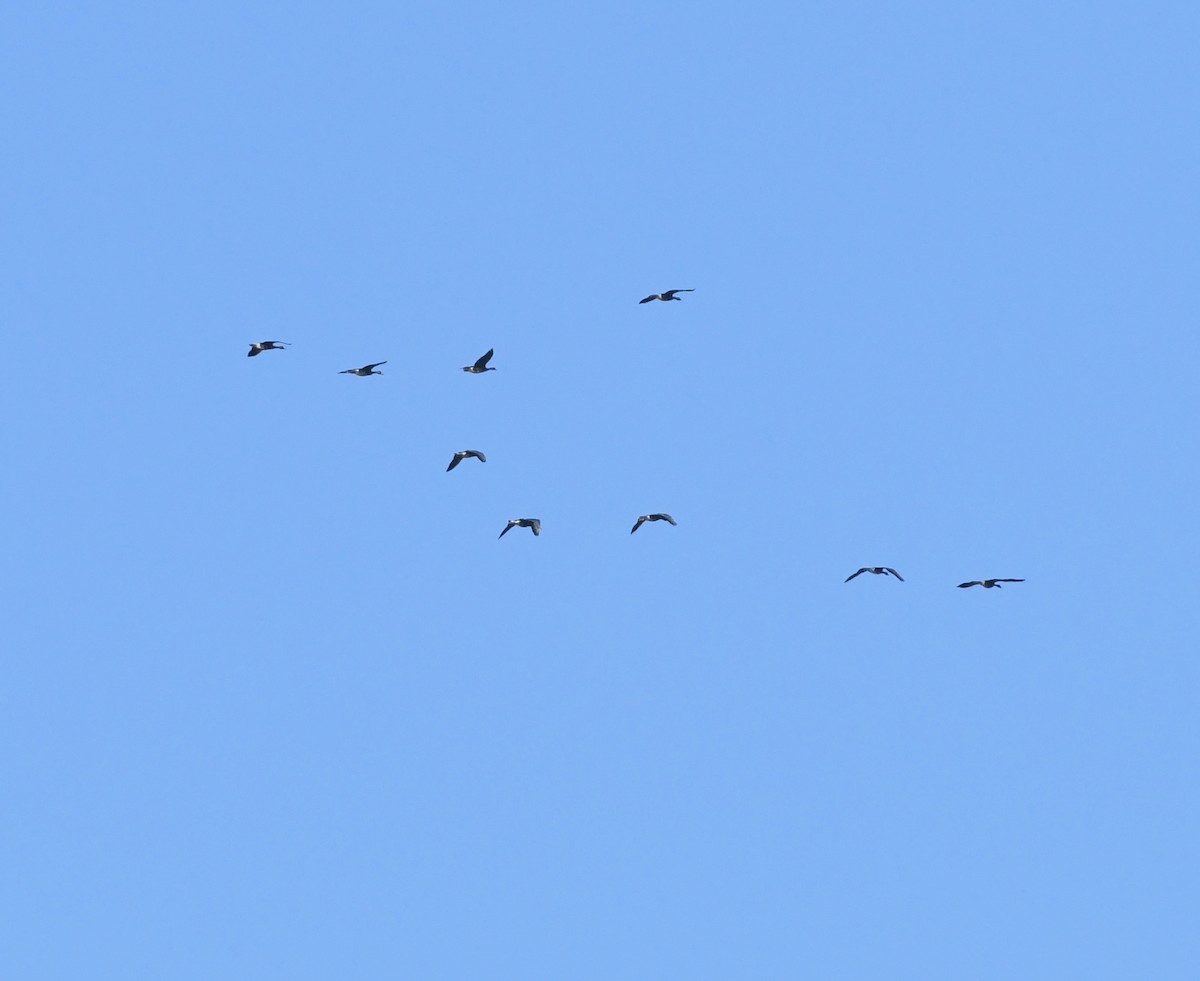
{"x": 279, "y": 704}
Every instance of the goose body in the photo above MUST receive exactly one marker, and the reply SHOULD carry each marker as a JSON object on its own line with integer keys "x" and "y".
{"x": 987, "y": 583}
{"x": 462, "y": 455}
{"x": 480, "y": 366}
{"x": 668, "y": 295}
{"x": 878, "y": 570}
{"x": 260, "y": 346}
{"x": 535, "y": 524}
{"x": 367, "y": 369}
{"x": 661, "y": 516}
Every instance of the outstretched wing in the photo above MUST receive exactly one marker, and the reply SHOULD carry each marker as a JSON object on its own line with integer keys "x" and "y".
{"x": 640, "y": 521}
{"x": 254, "y": 349}
{"x": 372, "y": 367}
{"x": 506, "y": 529}
{"x": 896, "y": 574}
{"x": 1008, "y": 580}
{"x": 853, "y": 574}
{"x": 973, "y": 582}
{"x": 663, "y": 516}
{"x": 482, "y": 362}
{"x": 652, "y": 296}
{"x": 478, "y": 456}
{"x": 670, "y": 294}
{"x": 536, "y": 525}
{"x": 458, "y": 458}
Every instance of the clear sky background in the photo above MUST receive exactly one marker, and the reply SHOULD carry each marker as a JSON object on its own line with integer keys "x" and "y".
{"x": 278, "y": 704}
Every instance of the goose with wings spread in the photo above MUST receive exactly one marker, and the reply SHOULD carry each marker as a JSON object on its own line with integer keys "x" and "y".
{"x": 668, "y": 295}
{"x": 653, "y": 517}
{"x": 367, "y": 369}
{"x": 878, "y": 570}
{"x": 987, "y": 583}
{"x": 462, "y": 455}
{"x": 534, "y": 524}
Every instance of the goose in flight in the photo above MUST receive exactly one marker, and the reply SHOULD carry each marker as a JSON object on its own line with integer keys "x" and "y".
{"x": 534, "y": 523}
{"x": 653, "y": 517}
{"x": 367, "y": 369}
{"x": 986, "y": 583}
{"x": 668, "y": 295}
{"x": 256, "y": 349}
{"x": 878, "y": 570}
{"x": 462, "y": 455}
{"x": 480, "y": 366}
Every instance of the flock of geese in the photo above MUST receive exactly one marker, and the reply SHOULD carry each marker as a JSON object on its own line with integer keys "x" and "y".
{"x": 480, "y": 365}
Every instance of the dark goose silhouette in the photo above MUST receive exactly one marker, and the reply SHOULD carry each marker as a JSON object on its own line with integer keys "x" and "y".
{"x": 986, "y": 583}
{"x": 480, "y": 366}
{"x": 534, "y": 523}
{"x": 878, "y": 570}
{"x": 652, "y": 517}
{"x": 462, "y": 455}
{"x": 257, "y": 349}
{"x": 668, "y": 295}
{"x": 367, "y": 369}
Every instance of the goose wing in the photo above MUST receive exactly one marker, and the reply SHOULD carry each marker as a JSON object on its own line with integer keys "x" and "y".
{"x": 507, "y": 527}
{"x": 853, "y": 574}
{"x": 652, "y": 296}
{"x": 475, "y": 453}
{"x": 973, "y": 582}
{"x": 482, "y": 362}
{"x": 458, "y": 458}
{"x": 895, "y": 573}
{"x": 663, "y": 516}
{"x": 536, "y": 525}
{"x": 1008, "y": 580}
{"x": 640, "y": 521}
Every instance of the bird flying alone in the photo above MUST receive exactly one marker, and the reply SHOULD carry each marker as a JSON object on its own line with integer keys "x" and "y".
{"x": 668, "y": 295}
{"x": 878, "y": 570}
{"x": 367, "y": 369}
{"x": 986, "y": 583}
{"x": 258, "y": 348}
{"x": 652, "y": 517}
{"x": 462, "y": 455}
{"x": 535, "y": 524}
{"x": 480, "y": 366}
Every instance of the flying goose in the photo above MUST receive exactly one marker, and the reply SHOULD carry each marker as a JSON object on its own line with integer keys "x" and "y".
{"x": 986, "y": 583}
{"x": 878, "y": 570}
{"x": 480, "y": 366}
{"x": 462, "y": 455}
{"x": 653, "y": 517}
{"x": 534, "y": 523}
{"x": 668, "y": 295}
{"x": 367, "y": 369}
{"x": 256, "y": 349}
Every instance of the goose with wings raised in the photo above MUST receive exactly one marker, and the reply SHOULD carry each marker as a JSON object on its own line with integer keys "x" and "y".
{"x": 480, "y": 366}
